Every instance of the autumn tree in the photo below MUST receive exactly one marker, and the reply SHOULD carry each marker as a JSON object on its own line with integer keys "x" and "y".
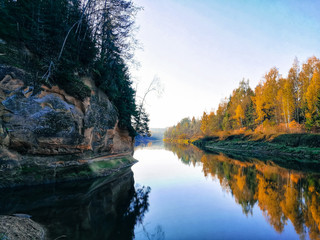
{"x": 312, "y": 96}
{"x": 239, "y": 115}
{"x": 293, "y": 78}
{"x": 259, "y": 103}
{"x": 239, "y": 103}
{"x": 185, "y": 129}
{"x": 285, "y": 98}
{"x": 276, "y": 100}
{"x": 222, "y": 115}
{"x": 265, "y": 96}
{"x": 204, "y": 123}
{"x": 305, "y": 78}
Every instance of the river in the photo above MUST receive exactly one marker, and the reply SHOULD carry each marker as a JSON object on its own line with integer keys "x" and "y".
{"x": 180, "y": 192}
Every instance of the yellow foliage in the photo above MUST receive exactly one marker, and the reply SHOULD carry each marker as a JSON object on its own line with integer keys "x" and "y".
{"x": 285, "y": 99}
{"x": 258, "y": 101}
{"x": 239, "y": 115}
{"x": 295, "y": 178}
{"x": 295, "y": 127}
{"x": 311, "y": 189}
{"x": 269, "y": 202}
{"x": 312, "y": 94}
{"x": 204, "y": 123}
{"x": 305, "y": 78}
{"x": 240, "y": 131}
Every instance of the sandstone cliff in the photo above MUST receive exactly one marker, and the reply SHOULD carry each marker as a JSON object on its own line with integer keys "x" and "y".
{"x": 47, "y": 128}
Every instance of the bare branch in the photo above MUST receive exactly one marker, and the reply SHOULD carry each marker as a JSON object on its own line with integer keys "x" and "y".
{"x": 154, "y": 86}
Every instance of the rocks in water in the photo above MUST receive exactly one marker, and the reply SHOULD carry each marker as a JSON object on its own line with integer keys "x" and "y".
{"x": 20, "y": 228}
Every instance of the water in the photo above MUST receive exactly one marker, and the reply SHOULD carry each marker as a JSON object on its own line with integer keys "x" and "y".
{"x": 180, "y": 192}
{"x": 196, "y": 195}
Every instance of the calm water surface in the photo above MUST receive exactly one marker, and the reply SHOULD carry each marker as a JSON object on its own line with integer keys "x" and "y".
{"x": 180, "y": 192}
{"x": 196, "y": 195}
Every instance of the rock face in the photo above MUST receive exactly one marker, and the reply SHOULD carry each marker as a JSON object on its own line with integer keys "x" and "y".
{"x": 48, "y": 124}
{"x": 20, "y": 228}
{"x": 51, "y": 122}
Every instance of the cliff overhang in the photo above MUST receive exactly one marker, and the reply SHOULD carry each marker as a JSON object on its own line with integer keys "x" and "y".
{"x": 43, "y": 128}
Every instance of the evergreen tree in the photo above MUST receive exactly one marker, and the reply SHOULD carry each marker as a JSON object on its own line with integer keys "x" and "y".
{"x": 59, "y": 41}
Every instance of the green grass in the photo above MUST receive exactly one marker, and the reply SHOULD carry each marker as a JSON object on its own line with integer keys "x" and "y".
{"x": 27, "y": 169}
{"x": 298, "y": 140}
{"x": 85, "y": 173}
{"x": 109, "y": 164}
{"x": 298, "y": 146}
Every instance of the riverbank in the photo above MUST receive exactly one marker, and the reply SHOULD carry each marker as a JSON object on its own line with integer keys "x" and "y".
{"x": 300, "y": 146}
{"x": 179, "y": 141}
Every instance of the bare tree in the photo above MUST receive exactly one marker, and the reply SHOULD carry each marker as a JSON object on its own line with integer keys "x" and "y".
{"x": 142, "y": 118}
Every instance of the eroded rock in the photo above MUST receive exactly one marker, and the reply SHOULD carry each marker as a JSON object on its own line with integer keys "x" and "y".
{"x": 22, "y": 228}
{"x": 45, "y": 123}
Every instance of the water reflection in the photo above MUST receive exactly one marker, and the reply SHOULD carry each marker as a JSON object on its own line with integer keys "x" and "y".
{"x": 158, "y": 144}
{"x": 105, "y": 208}
{"x": 282, "y": 194}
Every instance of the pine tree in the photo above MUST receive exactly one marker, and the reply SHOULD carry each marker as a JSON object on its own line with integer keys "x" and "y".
{"x": 61, "y": 41}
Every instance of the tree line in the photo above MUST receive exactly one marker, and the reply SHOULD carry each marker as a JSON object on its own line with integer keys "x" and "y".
{"x": 61, "y": 41}
{"x": 277, "y": 104}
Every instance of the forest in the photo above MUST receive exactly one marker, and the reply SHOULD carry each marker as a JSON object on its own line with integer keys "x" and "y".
{"x": 59, "y": 42}
{"x": 277, "y": 105}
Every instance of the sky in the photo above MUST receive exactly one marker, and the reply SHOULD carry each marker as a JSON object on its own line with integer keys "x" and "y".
{"x": 201, "y": 49}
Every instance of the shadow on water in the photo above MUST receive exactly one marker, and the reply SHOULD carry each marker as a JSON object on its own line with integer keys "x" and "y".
{"x": 281, "y": 192}
{"x": 104, "y": 208}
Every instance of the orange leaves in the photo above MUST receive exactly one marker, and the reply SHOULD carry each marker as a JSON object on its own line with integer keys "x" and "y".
{"x": 266, "y": 95}
{"x": 313, "y": 92}
{"x": 239, "y": 115}
{"x": 204, "y": 123}
{"x": 285, "y": 98}
{"x": 278, "y": 105}
{"x": 295, "y": 127}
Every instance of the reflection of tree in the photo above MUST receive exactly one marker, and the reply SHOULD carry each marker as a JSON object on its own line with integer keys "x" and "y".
{"x": 132, "y": 214}
{"x": 312, "y": 207}
{"x": 269, "y": 197}
{"x": 244, "y": 188}
{"x": 237, "y": 178}
{"x": 188, "y": 154}
{"x": 280, "y": 193}
{"x": 291, "y": 205}
{"x": 157, "y": 234}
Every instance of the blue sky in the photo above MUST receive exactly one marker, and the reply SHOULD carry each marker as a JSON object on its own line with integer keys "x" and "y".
{"x": 202, "y": 49}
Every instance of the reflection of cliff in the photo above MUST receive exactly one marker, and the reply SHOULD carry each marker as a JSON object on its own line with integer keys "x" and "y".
{"x": 106, "y": 208}
{"x": 280, "y": 193}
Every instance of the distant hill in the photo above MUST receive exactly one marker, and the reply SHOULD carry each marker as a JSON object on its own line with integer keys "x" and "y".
{"x": 156, "y": 135}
